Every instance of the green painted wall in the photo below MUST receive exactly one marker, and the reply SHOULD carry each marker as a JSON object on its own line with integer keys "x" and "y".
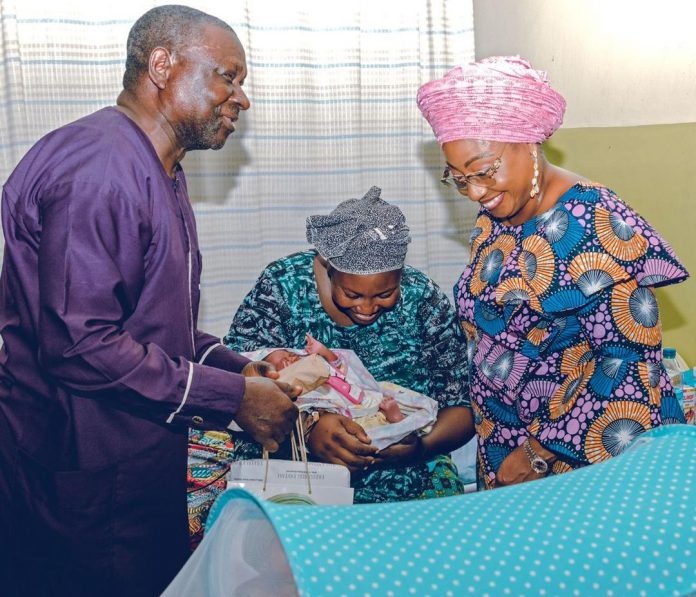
{"x": 652, "y": 168}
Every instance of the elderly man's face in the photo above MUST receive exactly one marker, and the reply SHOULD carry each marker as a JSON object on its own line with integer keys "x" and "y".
{"x": 205, "y": 90}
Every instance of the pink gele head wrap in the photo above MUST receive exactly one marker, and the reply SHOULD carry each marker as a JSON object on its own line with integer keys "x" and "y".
{"x": 501, "y": 98}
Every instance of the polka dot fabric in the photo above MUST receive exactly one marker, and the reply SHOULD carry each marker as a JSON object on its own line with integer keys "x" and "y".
{"x": 626, "y": 526}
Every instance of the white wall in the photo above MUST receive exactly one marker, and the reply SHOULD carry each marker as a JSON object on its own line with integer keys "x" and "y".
{"x": 617, "y": 62}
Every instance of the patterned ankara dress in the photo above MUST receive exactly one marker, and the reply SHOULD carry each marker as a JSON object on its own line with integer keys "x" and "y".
{"x": 418, "y": 344}
{"x": 564, "y": 338}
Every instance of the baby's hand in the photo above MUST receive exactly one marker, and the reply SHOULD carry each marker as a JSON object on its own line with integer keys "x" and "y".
{"x": 316, "y": 347}
{"x": 313, "y": 345}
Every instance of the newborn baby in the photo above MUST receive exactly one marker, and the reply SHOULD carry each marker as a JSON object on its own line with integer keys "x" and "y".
{"x": 310, "y": 374}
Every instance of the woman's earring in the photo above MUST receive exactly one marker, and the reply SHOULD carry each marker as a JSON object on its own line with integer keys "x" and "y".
{"x": 535, "y": 179}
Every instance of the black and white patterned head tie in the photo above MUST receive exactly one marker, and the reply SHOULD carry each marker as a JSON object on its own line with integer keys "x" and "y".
{"x": 361, "y": 236}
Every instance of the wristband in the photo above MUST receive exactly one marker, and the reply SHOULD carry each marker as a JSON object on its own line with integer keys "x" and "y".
{"x": 309, "y": 422}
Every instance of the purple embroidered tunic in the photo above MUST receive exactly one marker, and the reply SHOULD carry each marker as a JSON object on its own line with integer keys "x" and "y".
{"x": 101, "y": 367}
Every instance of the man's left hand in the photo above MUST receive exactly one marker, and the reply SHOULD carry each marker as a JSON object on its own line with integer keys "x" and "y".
{"x": 260, "y": 369}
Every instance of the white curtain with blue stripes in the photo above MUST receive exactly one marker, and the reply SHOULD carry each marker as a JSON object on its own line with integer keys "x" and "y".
{"x": 332, "y": 86}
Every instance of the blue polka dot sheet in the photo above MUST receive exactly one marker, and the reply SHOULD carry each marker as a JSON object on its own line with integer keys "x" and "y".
{"x": 624, "y": 527}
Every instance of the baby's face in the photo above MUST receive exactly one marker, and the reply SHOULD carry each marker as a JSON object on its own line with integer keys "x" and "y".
{"x": 281, "y": 358}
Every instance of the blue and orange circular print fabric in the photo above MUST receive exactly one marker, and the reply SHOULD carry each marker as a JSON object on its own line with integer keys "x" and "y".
{"x": 564, "y": 336}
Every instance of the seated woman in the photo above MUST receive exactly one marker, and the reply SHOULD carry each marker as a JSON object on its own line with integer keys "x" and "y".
{"x": 557, "y": 300}
{"x": 354, "y": 291}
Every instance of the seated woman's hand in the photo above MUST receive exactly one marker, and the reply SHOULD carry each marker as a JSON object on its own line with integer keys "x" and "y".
{"x": 338, "y": 440}
{"x": 408, "y": 451}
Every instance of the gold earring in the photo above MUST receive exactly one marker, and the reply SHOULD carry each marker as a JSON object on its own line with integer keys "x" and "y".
{"x": 535, "y": 178}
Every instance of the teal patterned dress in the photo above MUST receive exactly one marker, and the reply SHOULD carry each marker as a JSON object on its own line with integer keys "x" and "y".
{"x": 418, "y": 344}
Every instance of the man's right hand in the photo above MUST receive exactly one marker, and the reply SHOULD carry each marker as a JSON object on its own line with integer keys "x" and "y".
{"x": 338, "y": 440}
{"x": 267, "y": 412}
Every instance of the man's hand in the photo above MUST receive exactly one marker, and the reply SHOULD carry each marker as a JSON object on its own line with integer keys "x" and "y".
{"x": 267, "y": 412}
{"x": 338, "y": 440}
{"x": 516, "y": 467}
{"x": 260, "y": 369}
{"x": 264, "y": 369}
{"x": 408, "y": 451}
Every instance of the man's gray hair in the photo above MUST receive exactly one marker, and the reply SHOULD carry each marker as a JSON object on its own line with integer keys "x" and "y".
{"x": 171, "y": 26}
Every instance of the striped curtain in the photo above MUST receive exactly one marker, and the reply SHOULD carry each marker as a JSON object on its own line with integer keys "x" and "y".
{"x": 332, "y": 86}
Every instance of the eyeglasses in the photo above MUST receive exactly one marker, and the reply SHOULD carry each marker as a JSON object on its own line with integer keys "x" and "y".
{"x": 485, "y": 178}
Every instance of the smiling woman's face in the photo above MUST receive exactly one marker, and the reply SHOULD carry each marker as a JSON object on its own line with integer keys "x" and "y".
{"x": 364, "y": 297}
{"x": 508, "y": 198}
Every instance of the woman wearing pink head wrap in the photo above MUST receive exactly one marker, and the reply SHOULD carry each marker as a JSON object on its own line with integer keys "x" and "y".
{"x": 563, "y": 329}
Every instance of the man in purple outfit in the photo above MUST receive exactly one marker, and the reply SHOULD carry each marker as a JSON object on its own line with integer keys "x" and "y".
{"x": 102, "y": 368}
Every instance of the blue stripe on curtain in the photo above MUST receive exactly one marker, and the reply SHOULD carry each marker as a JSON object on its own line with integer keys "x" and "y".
{"x": 332, "y": 87}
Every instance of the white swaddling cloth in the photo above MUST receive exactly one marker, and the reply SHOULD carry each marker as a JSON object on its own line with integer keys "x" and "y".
{"x": 420, "y": 410}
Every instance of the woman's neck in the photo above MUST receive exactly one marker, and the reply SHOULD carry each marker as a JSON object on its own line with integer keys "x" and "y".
{"x": 323, "y": 282}
{"x": 555, "y": 182}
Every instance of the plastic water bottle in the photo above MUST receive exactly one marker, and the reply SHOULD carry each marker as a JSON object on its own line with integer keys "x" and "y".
{"x": 674, "y": 365}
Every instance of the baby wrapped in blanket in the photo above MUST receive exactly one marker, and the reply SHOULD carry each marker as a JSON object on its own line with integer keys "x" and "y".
{"x": 336, "y": 381}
